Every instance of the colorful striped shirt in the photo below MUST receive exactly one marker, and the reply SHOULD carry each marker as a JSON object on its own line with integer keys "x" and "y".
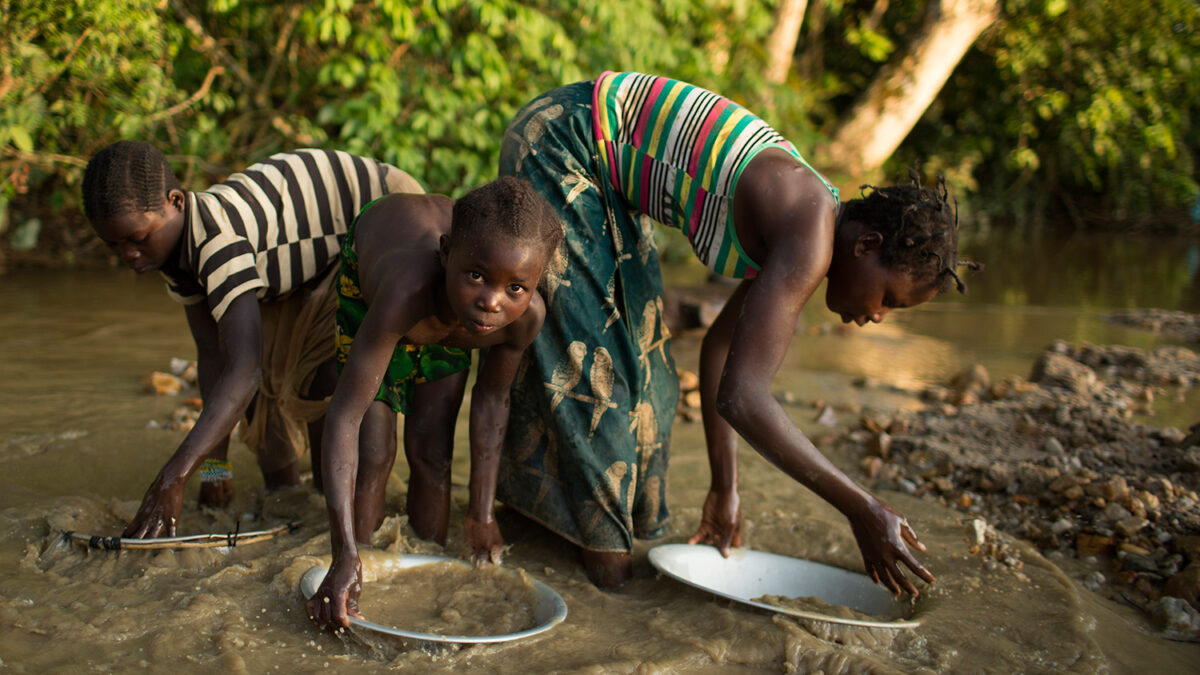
{"x": 272, "y": 227}
{"x": 675, "y": 152}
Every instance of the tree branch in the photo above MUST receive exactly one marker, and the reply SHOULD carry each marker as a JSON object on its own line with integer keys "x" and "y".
{"x": 44, "y": 157}
{"x": 277, "y": 54}
{"x": 214, "y": 49}
{"x": 191, "y": 100}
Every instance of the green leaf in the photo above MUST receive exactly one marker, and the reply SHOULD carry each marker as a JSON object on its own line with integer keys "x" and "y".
{"x": 21, "y": 138}
{"x": 25, "y": 235}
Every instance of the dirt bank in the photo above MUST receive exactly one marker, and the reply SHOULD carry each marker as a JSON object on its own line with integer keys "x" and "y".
{"x": 1059, "y": 461}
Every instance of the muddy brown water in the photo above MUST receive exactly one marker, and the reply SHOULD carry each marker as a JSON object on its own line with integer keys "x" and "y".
{"x": 76, "y": 454}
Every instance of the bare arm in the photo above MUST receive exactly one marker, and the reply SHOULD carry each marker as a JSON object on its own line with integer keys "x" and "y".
{"x": 794, "y": 219}
{"x": 356, "y": 388}
{"x": 490, "y": 406}
{"x": 383, "y": 326}
{"x": 230, "y": 369}
{"x": 721, "y": 518}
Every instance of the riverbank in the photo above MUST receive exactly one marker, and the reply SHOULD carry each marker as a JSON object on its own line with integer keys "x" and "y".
{"x": 1057, "y": 460}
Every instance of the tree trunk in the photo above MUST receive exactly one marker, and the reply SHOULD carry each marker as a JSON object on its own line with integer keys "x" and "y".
{"x": 781, "y": 43}
{"x": 906, "y": 86}
{"x": 812, "y": 59}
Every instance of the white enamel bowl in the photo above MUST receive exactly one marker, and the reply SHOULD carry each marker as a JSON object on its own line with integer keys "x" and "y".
{"x": 549, "y": 611}
{"x": 748, "y": 574}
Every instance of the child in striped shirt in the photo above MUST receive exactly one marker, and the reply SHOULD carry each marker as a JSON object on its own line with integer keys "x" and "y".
{"x": 253, "y": 259}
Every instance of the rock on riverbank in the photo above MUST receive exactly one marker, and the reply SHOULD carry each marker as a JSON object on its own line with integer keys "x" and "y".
{"x": 1057, "y": 460}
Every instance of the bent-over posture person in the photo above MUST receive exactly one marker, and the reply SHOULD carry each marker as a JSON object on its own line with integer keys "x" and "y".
{"x": 253, "y": 259}
{"x": 424, "y": 280}
{"x": 586, "y": 452}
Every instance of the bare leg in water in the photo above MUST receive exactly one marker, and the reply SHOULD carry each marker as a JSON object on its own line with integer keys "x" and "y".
{"x": 608, "y": 570}
{"x": 376, "y": 454}
{"x": 322, "y": 386}
{"x": 429, "y": 448}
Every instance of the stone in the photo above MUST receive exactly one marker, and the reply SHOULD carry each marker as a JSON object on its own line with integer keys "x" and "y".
{"x": 1063, "y": 483}
{"x": 1185, "y": 585}
{"x": 1189, "y": 546}
{"x": 688, "y": 380}
{"x": 1134, "y": 549}
{"x": 1115, "y": 488}
{"x": 827, "y": 417}
{"x": 1114, "y": 512}
{"x": 1148, "y": 499}
{"x": 1189, "y": 460}
{"x": 880, "y": 445}
{"x": 975, "y": 378}
{"x": 1087, "y": 544}
{"x": 1170, "y": 565}
{"x": 1142, "y": 564}
{"x": 871, "y": 466}
{"x": 1062, "y": 525}
{"x": 162, "y": 383}
{"x": 1056, "y": 370}
{"x": 1052, "y": 446}
{"x": 1175, "y": 617}
{"x": 977, "y": 531}
{"x": 1127, "y": 527}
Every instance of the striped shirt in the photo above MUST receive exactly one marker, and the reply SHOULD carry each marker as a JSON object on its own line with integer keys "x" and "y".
{"x": 272, "y": 227}
{"x": 675, "y": 152}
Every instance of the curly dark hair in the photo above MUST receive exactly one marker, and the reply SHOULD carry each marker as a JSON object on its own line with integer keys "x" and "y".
{"x": 919, "y": 227}
{"x": 126, "y": 177}
{"x": 509, "y": 208}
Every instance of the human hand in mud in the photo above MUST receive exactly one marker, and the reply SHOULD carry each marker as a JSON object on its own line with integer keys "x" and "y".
{"x": 157, "y": 515}
{"x": 336, "y": 599}
{"x": 484, "y": 541}
{"x": 720, "y": 521}
{"x": 882, "y": 533}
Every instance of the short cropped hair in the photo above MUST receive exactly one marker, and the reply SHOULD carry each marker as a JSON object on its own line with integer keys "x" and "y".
{"x": 126, "y": 177}
{"x": 509, "y": 208}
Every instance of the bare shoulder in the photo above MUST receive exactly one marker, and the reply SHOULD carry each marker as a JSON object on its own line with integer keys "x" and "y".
{"x": 403, "y": 216}
{"x": 781, "y": 205}
{"x": 396, "y": 242}
{"x": 775, "y": 188}
{"x": 520, "y": 333}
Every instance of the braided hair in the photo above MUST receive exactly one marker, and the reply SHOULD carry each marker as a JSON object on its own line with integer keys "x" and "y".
{"x": 509, "y": 208}
{"x": 126, "y": 177}
{"x": 919, "y": 227}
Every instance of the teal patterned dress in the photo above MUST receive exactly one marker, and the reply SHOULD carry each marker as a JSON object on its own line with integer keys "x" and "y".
{"x": 596, "y": 393}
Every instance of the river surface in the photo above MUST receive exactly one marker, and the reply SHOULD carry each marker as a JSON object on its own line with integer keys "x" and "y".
{"x": 76, "y": 454}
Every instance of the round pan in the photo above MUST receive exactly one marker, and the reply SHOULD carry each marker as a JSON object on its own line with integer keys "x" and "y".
{"x": 549, "y": 612}
{"x": 747, "y": 574}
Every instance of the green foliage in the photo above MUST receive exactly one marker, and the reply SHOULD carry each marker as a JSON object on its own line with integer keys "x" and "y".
{"x": 74, "y": 75}
{"x": 1091, "y": 107}
{"x": 1096, "y": 96}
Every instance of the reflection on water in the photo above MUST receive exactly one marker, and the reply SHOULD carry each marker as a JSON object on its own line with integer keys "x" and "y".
{"x": 75, "y": 453}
